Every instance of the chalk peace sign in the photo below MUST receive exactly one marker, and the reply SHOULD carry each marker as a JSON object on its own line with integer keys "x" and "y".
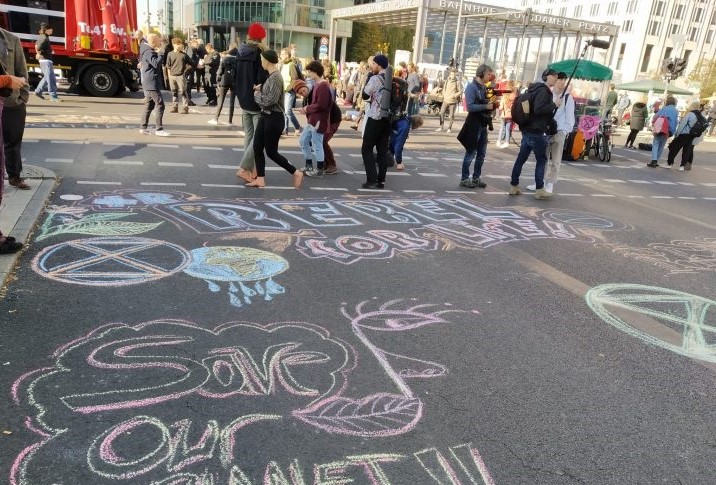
{"x": 692, "y": 316}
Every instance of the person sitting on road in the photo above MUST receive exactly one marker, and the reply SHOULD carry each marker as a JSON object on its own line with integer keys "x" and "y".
{"x": 398, "y": 136}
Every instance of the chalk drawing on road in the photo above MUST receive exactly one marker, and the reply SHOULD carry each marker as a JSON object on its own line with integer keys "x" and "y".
{"x": 677, "y": 257}
{"x": 584, "y": 220}
{"x": 117, "y": 394}
{"x": 251, "y": 269}
{"x": 691, "y": 318}
{"x": 71, "y": 197}
{"x": 72, "y": 221}
{"x": 110, "y": 261}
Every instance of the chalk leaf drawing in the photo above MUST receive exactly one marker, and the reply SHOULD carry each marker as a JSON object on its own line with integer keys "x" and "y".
{"x": 99, "y": 224}
{"x": 117, "y": 395}
{"x": 245, "y": 267}
{"x": 381, "y": 414}
{"x": 692, "y": 318}
{"x": 110, "y": 261}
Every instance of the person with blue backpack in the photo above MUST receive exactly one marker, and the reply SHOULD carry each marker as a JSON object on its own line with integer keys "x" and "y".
{"x": 663, "y": 125}
{"x": 692, "y": 126}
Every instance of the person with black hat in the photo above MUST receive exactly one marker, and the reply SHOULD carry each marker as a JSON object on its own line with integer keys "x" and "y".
{"x": 248, "y": 74}
{"x": 535, "y": 132}
{"x": 44, "y": 55}
{"x": 377, "y": 127}
{"x": 269, "y": 97}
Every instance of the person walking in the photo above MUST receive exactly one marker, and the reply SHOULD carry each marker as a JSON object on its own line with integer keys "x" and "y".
{"x": 249, "y": 73}
{"x": 8, "y": 244}
{"x": 503, "y": 140}
{"x": 179, "y": 65}
{"x": 565, "y": 120}
{"x": 269, "y": 97}
{"x": 290, "y": 74}
{"x": 473, "y": 135}
{"x": 622, "y": 105}
{"x": 226, "y": 77}
{"x": 192, "y": 52}
{"x": 637, "y": 121}
{"x": 672, "y": 116}
{"x": 44, "y": 55}
{"x": 534, "y": 133}
{"x": 334, "y": 122}
{"x": 414, "y": 88}
{"x": 451, "y": 96}
{"x": 152, "y": 84}
{"x": 377, "y": 126}
{"x": 711, "y": 112}
{"x": 684, "y": 137}
{"x": 14, "y": 111}
{"x": 212, "y": 60}
{"x": 318, "y": 114}
{"x": 612, "y": 99}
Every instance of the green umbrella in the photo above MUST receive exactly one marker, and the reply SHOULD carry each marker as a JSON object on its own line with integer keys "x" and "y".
{"x": 646, "y": 85}
{"x": 588, "y": 70}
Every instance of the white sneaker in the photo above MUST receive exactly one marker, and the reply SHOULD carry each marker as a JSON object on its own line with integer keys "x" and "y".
{"x": 162, "y": 133}
{"x": 449, "y": 130}
{"x": 504, "y": 145}
{"x": 438, "y": 130}
{"x": 213, "y": 121}
{"x": 549, "y": 187}
{"x": 681, "y": 169}
{"x": 532, "y": 187}
{"x": 144, "y": 131}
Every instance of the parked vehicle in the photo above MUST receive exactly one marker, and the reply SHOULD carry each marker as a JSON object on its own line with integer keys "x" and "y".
{"x": 94, "y": 43}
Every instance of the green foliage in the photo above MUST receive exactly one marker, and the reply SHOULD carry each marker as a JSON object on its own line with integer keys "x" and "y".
{"x": 179, "y": 33}
{"x": 705, "y": 73}
{"x": 367, "y": 39}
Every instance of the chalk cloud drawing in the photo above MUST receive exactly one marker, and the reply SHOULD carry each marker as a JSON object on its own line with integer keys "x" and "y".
{"x": 245, "y": 267}
{"x": 677, "y": 257}
{"x": 74, "y": 221}
{"x": 122, "y": 381}
{"x": 110, "y": 261}
{"x": 693, "y": 317}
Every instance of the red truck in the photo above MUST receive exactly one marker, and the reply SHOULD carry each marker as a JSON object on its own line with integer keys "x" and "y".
{"x": 93, "y": 41}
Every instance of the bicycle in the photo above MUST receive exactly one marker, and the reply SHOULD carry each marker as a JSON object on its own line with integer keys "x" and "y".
{"x": 602, "y": 143}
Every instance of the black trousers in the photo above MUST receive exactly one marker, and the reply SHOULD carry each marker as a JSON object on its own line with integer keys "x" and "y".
{"x": 13, "y": 129}
{"x": 153, "y": 99}
{"x": 268, "y": 133}
{"x": 376, "y": 135}
{"x": 631, "y": 138}
{"x": 681, "y": 142}
{"x": 223, "y": 92}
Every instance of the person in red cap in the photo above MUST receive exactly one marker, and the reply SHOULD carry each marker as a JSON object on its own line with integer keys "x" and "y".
{"x": 249, "y": 73}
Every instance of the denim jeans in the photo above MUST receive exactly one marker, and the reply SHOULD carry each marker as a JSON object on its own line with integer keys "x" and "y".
{"x": 478, "y": 154}
{"x": 289, "y": 102}
{"x": 250, "y": 122}
{"x": 48, "y": 78}
{"x": 505, "y": 131}
{"x": 657, "y": 146}
{"x": 531, "y": 142}
{"x": 311, "y": 138}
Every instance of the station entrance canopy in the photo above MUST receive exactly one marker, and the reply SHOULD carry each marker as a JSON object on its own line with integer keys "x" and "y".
{"x": 515, "y": 41}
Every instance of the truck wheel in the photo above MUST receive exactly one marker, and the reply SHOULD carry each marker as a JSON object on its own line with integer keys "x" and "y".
{"x": 101, "y": 81}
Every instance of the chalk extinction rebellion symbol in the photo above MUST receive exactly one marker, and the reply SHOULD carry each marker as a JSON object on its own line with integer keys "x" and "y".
{"x": 120, "y": 261}
{"x": 114, "y": 394}
{"x": 692, "y": 316}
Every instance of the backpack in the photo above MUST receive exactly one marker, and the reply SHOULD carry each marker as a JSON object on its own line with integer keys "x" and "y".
{"x": 522, "y": 108}
{"x": 660, "y": 126}
{"x": 336, "y": 114}
{"x": 700, "y": 126}
{"x": 229, "y": 72}
{"x": 299, "y": 71}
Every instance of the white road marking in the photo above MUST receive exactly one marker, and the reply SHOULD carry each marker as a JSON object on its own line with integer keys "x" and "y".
{"x": 71, "y": 142}
{"x": 431, "y": 174}
{"x": 602, "y": 195}
{"x": 277, "y": 187}
{"x": 461, "y": 192}
{"x": 664, "y": 182}
{"x": 97, "y": 182}
{"x": 635, "y": 196}
{"x": 59, "y": 160}
{"x": 578, "y": 164}
{"x": 329, "y": 188}
{"x": 374, "y": 190}
{"x": 218, "y": 149}
{"x": 123, "y": 162}
{"x": 709, "y": 184}
{"x": 616, "y": 181}
{"x": 687, "y": 198}
{"x": 661, "y": 197}
{"x": 415, "y": 191}
{"x": 399, "y": 174}
{"x": 168, "y": 184}
{"x": 118, "y": 144}
{"x": 640, "y": 181}
{"x": 159, "y": 145}
{"x": 226, "y": 167}
{"x": 685, "y": 183}
{"x": 355, "y": 155}
{"x": 228, "y": 186}
{"x": 175, "y": 164}
{"x": 569, "y": 195}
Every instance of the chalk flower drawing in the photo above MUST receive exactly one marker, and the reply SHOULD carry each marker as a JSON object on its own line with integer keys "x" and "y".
{"x": 124, "y": 381}
{"x": 242, "y": 266}
{"x": 692, "y": 318}
{"x": 99, "y": 224}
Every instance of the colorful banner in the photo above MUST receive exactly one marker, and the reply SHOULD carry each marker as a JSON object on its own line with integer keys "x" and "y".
{"x": 101, "y": 25}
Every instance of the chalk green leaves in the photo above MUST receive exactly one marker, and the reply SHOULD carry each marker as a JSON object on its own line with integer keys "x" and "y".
{"x": 99, "y": 224}
{"x": 671, "y": 319}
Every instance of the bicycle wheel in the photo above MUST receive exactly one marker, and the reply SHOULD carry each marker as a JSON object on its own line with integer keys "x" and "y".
{"x": 609, "y": 149}
{"x": 602, "y": 148}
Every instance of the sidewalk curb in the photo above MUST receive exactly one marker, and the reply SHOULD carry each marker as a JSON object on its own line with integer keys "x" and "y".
{"x": 26, "y": 223}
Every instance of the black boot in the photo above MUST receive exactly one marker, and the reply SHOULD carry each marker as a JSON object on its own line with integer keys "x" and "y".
{"x": 653, "y": 164}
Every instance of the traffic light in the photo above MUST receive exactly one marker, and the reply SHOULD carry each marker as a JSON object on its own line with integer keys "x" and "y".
{"x": 679, "y": 67}
{"x": 667, "y": 66}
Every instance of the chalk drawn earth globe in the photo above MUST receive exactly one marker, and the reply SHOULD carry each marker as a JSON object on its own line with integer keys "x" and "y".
{"x": 231, "y": 263}
{"x": 110, "y": 261}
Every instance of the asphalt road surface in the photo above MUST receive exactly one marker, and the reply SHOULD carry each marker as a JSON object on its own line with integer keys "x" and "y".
{"x": 169, "y": 326}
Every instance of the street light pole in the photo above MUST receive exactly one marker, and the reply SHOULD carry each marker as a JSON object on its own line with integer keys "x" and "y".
{"x": 457, "y": 34}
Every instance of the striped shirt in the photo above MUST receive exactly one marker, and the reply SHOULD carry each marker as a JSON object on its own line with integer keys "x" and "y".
{"x": 270, "y": 98}
{"x": 374, "y": 89}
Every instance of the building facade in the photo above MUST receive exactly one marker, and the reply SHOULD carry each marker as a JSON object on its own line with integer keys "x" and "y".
{"x": 649, "y": 31}
{"x": 287, "y": 22}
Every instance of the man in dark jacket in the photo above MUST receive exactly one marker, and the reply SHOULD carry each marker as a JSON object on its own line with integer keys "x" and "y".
{"x": 150, "y": 63}
{"x": 212, "y": 60}
{"x": 249, "y": 73}
{"x": 179, "y": 66}
{"x": 15, "y": 110}
{"x": 535, "y": 132}
{"x": 473, "y": 135}
{"x": 44, "y": 55}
